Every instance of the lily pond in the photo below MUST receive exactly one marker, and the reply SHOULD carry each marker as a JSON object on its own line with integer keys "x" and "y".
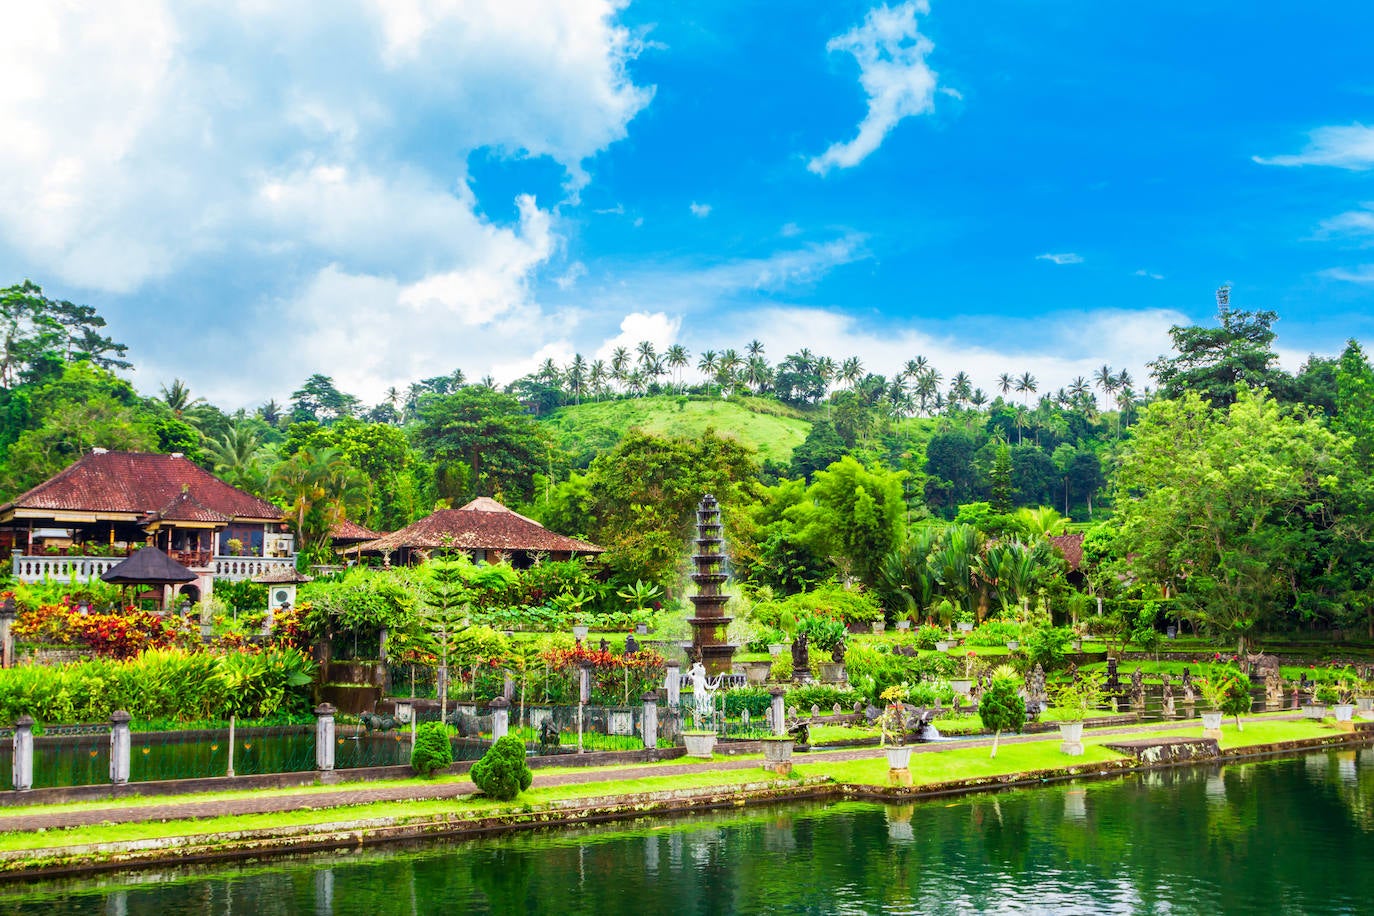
{"x": 1286, "y": 836}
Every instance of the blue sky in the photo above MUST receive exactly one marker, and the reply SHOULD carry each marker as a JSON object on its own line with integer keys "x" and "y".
{"x": 384, "y": 191}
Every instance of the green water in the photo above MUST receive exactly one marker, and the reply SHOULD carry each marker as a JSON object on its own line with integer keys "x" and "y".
{"x": 1289, "y": 836}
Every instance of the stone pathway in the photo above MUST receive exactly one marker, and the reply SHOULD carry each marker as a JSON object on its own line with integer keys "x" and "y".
{"x": 170, "y": 808}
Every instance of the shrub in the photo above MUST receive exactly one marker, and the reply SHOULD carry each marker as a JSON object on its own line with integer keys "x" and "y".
{"x": 754, "y": 699}
{"x": 927, "y": 636}
{"x": 822, "y": 696}
{"x": 502, "y": 773}
{"x": 994, "y": 633}
{"x": 764, "y": 638}
{"x": 432, "y": 751}
{"x": 1000, "y": 707}
{"x": 1046, "y": 646}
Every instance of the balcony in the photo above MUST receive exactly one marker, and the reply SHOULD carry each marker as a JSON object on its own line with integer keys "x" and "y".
{"x": 37, "y": 568}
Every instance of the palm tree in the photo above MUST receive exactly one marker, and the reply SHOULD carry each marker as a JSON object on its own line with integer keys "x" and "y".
{"x": 1026, "y": 385}
{"x": 647, "y": 354}
{"x": 1005, "y": 383}
{"x": 1078, "y": 387}
{"x": 620, "y": 363}
{"x": 960, "y": 389}
{"x": 577, "y": 376}
{"x": 851, "y": 370}
{"x": 270, "y": 413}
{"x": 913, "y": 368}
{"x": 237, "y": 457}
{"x": 677, "y": 357}
{"x": 979, "y": 398}
{"x": 319, "y": 487}
{"x": 1106, "y": 380}
{"x": 754, "y": 347}
{"x": 727, "y": 367}
{"x": 757, "y": 373}
{"x": 925, "y": 389}
{"x": 708, "y": 364}
{"x": 826, "y": 370}
{"x": 596, "y": 377}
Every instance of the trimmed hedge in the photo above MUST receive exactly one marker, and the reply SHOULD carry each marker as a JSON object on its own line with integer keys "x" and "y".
{"x": 433, "y": 751}
{"x": 502, "y": 773}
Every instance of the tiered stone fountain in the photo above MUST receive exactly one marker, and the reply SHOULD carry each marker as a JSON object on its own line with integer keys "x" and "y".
{"x": 709, "y": 624}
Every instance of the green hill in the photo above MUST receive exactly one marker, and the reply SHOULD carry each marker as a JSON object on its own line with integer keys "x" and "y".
{"x": 587, "y": 430}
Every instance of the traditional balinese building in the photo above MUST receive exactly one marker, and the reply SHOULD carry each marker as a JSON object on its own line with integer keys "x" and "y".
{"x": 483, "y": 529}
{"x": 107, "y": 505}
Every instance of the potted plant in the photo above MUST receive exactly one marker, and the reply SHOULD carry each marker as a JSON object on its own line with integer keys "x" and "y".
{"x": 1326, "y": 695}
{"x": 964, "y": 622}
{"x": 879, "y": 626}
{"x": 1344, "y": 708}
{"x": 1013, "y": 645}
{"x": 964, "y": 685}
{"x": 1227, "y": 692}
{"x": 700, "y": 744}
{"x": 893, "y": 727}
{"x": 1073, "y": 703}
{"x": 1364, "y": 697}
{"x": 826, "y": 634}
{"x": 757, "y": 672}
{"x": 235, "y": 547}
{"x": 777, "y": 753}
{"x": 1001, "y": 707}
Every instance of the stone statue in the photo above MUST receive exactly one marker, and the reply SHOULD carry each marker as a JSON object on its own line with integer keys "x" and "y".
{"x": 1188, "y": 695}
{"x": 1137, "y": 687}
{"x": 1168, "y": 695}
{"x": 801, "y": 659}
{"x": 631, "y": 644}
{"x": 703, "y": 694}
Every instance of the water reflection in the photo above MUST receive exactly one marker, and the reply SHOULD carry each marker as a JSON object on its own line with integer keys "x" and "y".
{"x": 1275, "y": 837}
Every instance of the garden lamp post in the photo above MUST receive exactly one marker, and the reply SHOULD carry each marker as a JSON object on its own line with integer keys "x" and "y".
{"x": 584, "y": 694}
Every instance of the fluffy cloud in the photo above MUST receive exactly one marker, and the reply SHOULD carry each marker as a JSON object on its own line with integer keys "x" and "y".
{"x": 1067, "y": 257}
{"x": 1364, "y": 273}
{"x": 891, "y": 53}
{"x": 1345, "y": 147}
{"x": 1351, "y": 223}
{"x": 151, "y": 142}
{"x": 700, "y": 211}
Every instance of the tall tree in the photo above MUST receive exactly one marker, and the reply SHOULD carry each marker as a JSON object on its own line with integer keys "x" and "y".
{"x": 498, "y": 444}
{"x": 1214, "y": 361}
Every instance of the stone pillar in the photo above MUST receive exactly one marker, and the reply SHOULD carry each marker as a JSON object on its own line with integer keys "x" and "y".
{"x": 23, "y": 753}
{"x": 120, "y": 747}
{"x": 584, "y": 684}
{"x": 779, "y": 714}
{"x": 324, "y": 737}
{"x": 673, "y": 684}
{"x": 648, "y": 722}
{"x": 7, "y": 614}
{"x": 500, "y": 718}
{"x": 508, "y": 687}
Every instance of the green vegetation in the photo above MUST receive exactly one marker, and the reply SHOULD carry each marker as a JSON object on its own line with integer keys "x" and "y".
{"x": 503, "y": 773}
{"x": 432, "y": 751}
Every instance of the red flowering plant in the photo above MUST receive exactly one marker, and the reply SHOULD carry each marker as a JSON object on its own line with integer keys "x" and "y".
{"x": 122, "y": 635}
{"x": 616, "y": 679}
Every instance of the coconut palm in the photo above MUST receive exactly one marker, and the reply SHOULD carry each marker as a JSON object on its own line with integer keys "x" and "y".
{"x": 577, "y": 377}
{"x": 754, "y": 347}
{"x": 237, "y": 457}
{"x": 757, "y": 373}
{"x": 1005, "y": 383}
{"x": 1026, "y": 385}
{"x": 1078, "y": 387}
{"x": 647, "y": 354}
{"x": 677, "y": 358}
{"x": 851, "y": 370}
{"x": 596, "y": 377}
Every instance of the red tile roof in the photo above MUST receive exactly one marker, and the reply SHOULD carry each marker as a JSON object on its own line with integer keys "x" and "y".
{"x": 146, "y": 484}
{"x": 1071, "y": 546}
{"x": 344, "y": 530}
{"x": 481, "y": 525}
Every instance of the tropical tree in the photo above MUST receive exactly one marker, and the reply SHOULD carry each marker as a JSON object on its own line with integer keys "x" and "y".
{"x": 316, "y": 487}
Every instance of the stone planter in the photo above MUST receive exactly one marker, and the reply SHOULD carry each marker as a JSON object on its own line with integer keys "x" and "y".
{"x": 832, "y": 672}
{"x": 898, "y": 758}
{"x": 1365, "y": 707}
{"x": 1344, "y": 713}
{"x": 965, "y": 627}
{"x": 579, "y": 633}
{"x": 777, "y": 755}
{"x": 943, "y": 645}
{"x": 1211, "y": 724}
{"x": 1077, "y": 645}
{"x": 962, "y": 685}
{"x": 776, "y": 648}
{"x": 1071, "y": 738}
{"x": 757, "y": 672}
{"x": 904, "y": 624}
{"x": 879, "y": 626}
{"x": 1314, "y": 711}
{"x": 700, "y": 744}
{"x": 642, "y": 629}
{"x": 1013, "y": 644}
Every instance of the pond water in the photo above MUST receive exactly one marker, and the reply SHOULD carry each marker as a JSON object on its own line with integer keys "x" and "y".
{"x": 1287, "y": 836}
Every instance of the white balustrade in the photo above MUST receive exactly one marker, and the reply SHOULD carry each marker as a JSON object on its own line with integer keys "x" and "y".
{"x": 31, "y": 569}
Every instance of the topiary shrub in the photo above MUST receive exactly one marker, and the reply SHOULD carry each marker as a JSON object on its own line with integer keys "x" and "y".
{"x": 432, "y": 751}
{"x": 1001, "y": 707}
{"x": 502, "y": 773}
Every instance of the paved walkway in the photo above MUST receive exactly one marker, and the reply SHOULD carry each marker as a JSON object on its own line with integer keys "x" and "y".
{"x": 172, "y": 808}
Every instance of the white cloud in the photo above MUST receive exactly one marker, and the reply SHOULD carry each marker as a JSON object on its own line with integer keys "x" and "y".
{"x": 1363, "y": 273}
{"x": 893, "y": 72}
{"x": 1067, "y": 257}
{"x": 1149, "y": 274}
{"x": 1352, "y": 222}
{"x": 659, "y": 328}
{"x": 1345, "y": 147}
{"x": 789, "y": 230}
{"x": 700, "y": 211}
{"x": 294, "y": 141}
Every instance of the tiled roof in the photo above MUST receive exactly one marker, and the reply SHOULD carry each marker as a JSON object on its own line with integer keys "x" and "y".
{"x": 489, "y": 526}
{"x": 186, "y": 508}
{"x": 1071, "y": 546}
{"x": 283, "y": 575}
{"x": 344, "y": 530}
{"x": 145, "y": 484}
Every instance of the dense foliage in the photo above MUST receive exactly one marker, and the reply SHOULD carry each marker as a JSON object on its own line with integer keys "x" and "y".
{"x": 432, "y": 751}
{"x": 502, "y": 773}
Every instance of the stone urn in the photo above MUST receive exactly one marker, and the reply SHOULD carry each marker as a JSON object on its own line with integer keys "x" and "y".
{"x": 904, "y": 624}
{"x": 1314, "y": 711}
{"x": 642, "y": 629}
{"x": 1211, "y": 724}
{"x": 777, "y": 754}
{"x": 898, "y": 757}
{"x": 1071, "y": 738}
{"x": 943, "y": 645}
{"x": 879, "y": 626}
{"x": 1365, "y": 707}
{"x": 965, "y": 626}
{"x": 579, "y": 632}
{"x": 700, "y": 744}
{"x": 962, "y": 685}
{"x": 1077, "y": 645}
{"x": 832, "y": 672}
{"x": 1345, "y": 714}
{"x": 1013, "y": 645}
{"x": 777, "y": 648}
{"x": 757, "y": 672}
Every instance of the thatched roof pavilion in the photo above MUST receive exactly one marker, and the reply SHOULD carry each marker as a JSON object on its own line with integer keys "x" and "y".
{"x": 485, "y": 530}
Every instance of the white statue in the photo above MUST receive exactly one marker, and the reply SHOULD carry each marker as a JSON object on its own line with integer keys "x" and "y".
{"x": 703, "y": 693}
